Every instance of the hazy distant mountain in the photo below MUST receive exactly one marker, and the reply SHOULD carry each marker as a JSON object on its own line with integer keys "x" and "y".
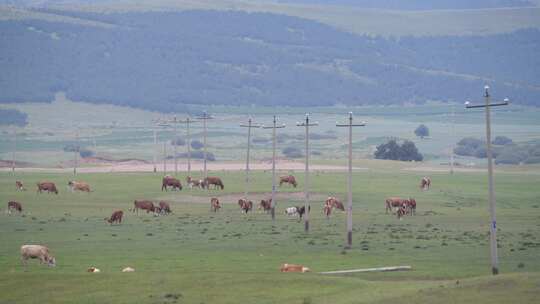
{"x": 162, "y": 60}
{"x": 418, "y": 4}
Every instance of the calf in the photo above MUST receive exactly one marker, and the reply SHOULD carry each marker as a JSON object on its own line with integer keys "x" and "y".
{"x": 14, "y": 205}
{"x": 144, "y": 205}
{"x": 37, "y": 252}
{"x": 116, "y": 217}
{"x": 402, "y": 210}
{"x": 19, "y": 186}
{"x": 164, "y": 208}
{"x": 46, "y": 186}
{"x": 214, "y": 204}
{"x": 302, "y": 210}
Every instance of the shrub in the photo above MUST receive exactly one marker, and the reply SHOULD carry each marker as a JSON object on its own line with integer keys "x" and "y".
{"x": 86, "y": 153}
{"x": 394, "y": 151}
{"x": 197, "y": 145}
{"x": 501, "y": 141}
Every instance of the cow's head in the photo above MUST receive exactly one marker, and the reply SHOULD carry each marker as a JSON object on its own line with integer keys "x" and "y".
{"x": 51, "y": 262}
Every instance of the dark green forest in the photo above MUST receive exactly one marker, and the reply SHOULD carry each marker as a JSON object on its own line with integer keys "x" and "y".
{"x": 164, "y": 60}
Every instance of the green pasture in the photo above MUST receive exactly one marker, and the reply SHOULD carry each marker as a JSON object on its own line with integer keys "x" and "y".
{"x": 197, "y": 256}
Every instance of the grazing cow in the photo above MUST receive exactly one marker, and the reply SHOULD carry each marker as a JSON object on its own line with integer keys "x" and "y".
{"x": 144, "y": 205}
{"x": 19, "y": 186}
{"x": 194, "y": 183}
{"x": 245, "y": 205}
{"x": 46, "y": 186}
{"x": 394, "y": 202}
{"x": 425, "y": 183}
{"x": 116, "y": 217}
{"x": 14, "y": 205}
{"x": 93, "y": 269}
{"x": 169, "y": 181}
{"x": 289, "y": 179}
{"x": 291, "y": 211}
{"x": 302, "y": 210}
{"x": 214, "y": 204}
{"x": 411, "y": 206}
{"x": 164, "y": 208}
{"x": 79, "y": 186}
{"x": 37, "y": 252}
{"x": 265, "y": 205}
{"x": 334, "y": 203}
{"x": 213, "y": 180}
{"x": 294, "y": 268}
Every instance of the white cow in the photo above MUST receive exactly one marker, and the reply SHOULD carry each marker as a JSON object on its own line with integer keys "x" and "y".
{"x": 37, "y": 252}
{"x": 291, "y": 211}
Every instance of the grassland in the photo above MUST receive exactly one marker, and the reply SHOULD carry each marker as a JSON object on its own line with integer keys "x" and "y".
{"x": 195, "y": 256}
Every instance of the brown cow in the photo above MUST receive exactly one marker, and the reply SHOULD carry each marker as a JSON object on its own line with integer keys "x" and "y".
{"x": 169, "y": 181}
{"x": 245, "y": 205}
{"x": 425, "y": 183}
{"x": 46, "y": 186}
{"x": 144, "y": 205}
{"x": 265, "y": 205}
{"x": 289, "y": 179}
{"x": 79, "y": 186}
{"x": 327, "y": 210}
{"x": 164, "y": 208}
{"x": 19, "y": 186}
{"x": 294, "y": 268}
{"x": 213, "y": 180}
{"x": 411, "y": 206}
{"x": 37, "y": 252}
{"x": 214, "y": 204}
{"x": 116, "y": 217}
{"x": 14, "y": 205}
{"x": 394, "y": 202}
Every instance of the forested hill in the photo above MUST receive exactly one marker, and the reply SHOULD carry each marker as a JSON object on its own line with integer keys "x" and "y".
{"x": 162, "y": 60}
{"x": 418, "y": 4}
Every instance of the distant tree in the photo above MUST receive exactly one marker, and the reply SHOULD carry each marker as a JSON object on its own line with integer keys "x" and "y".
{"x": 178, "y": 142}
{"x": 13, "y": 117}
{"x": 292, "y": 152}
{"x": 501, "y": 141}
{"x": 394, "y": 151}
{"x": 197, "y": 155}
{"x": 86, "y": 153}
{"x": 71, "y": 148}
{"x": 422, "y": 131}
{"x": 195, "y": 144}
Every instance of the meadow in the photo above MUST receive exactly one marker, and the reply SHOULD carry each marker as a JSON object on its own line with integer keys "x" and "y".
{"x": 197, "y": 256}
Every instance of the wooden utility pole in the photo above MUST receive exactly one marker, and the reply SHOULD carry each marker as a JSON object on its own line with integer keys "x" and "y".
{"x": 493, "y": 224}
{"x": 307, "y": 124}
{"x": 248, "y": 126}
{"x": 204, "y": 117}
{"x": 349, "y": 125}
{"x": 188, "y": 121}
{"x": 273, "y": 198}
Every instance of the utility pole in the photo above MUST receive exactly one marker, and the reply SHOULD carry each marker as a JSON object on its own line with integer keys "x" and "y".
{"x": 248, "y": 126}
{"x": 155, "y": 149}
{"x": 175, "y": 142}
{"x": 307, "y": 124}
{"x": 452, "y": 139}
{"x": 76, "y": 151}
{"x": 165, "y": 158}
{"x": 350, "y": 125}
{"x": 493, "y": 224}
{"x": 204, "y": 117}
{"x": 273, "y": 198}
{"x": 188, "y": 121}
{"x": 13, "y": 152}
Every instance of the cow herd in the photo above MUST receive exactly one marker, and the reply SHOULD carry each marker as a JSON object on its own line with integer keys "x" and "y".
{"x": 401, "y": 206}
